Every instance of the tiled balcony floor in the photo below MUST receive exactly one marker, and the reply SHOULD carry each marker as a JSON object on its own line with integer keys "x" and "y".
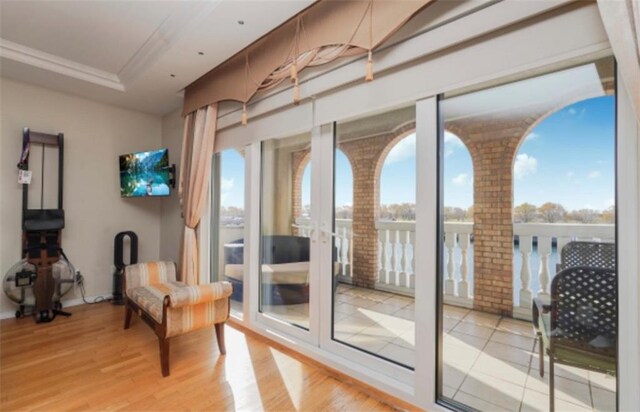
{"x": 490, "y": 362}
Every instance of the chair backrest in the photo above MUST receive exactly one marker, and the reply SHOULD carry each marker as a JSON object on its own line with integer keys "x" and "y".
{"x": 584, "y": 306}
{"x": 589, "y": 254}
{"x": 275, "y": 249}
{"x": 149, "y": 273}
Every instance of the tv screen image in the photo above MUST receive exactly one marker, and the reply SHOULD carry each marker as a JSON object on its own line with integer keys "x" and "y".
{"x": 145, "y": 174}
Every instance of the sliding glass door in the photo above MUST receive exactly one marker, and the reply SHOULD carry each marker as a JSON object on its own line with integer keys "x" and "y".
{"x": 529, "y": 285}
{"x": 374, "y": 205}
{"x": 286, "y": 230}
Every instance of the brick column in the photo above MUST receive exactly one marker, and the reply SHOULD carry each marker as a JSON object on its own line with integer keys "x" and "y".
{"x": 493, "y": 145}
{"x": 364, "y": 155}
{"x": 299, "y": 162}
{"x": 367, "y": 157}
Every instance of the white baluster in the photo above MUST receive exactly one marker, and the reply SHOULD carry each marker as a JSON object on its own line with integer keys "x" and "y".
{"x": 412, "y": 265}
{"x": 393, "y": 273}
{"x": 402, "y": 276}
{"x": 544, "y": 249}
{"x": 463, "y": 284}
{"x": 338, "y": 248}
{"x": 450, "y": 243}
{"x": 350, "y": 271}
{"x": 342, "y": 252}
{"x": 562, "y": 242}
{"x": 383, "y": 236}
{"x": 525, "y": 272}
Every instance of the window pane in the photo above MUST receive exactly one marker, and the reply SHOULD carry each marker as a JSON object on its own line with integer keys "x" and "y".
{"x": 228, "y": 222}
{"x": 374, "y": 234}
{"x": 528, "y": 252}
{"x": 285, "y": 227}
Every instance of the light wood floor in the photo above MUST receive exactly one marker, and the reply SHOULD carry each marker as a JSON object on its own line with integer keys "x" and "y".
{"x": 88, "y": 362}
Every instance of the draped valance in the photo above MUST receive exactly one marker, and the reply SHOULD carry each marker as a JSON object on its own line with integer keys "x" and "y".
{"x": 323, "y": 32}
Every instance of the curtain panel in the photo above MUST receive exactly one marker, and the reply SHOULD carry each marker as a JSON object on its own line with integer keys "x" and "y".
{"x": 197, "y": 151}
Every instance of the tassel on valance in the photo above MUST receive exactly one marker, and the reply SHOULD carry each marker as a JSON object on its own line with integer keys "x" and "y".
{"x": 369, "y": 76}
{"x": 244, "y": 119}
{"x": 325, "y": 31}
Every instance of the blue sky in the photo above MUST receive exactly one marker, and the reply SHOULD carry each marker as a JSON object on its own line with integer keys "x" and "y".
{"x": 232, "y": 175}
{"x": 568, "y": 159}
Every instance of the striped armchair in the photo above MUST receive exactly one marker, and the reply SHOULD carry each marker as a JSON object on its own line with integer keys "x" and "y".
{"x": 171, "y": 307}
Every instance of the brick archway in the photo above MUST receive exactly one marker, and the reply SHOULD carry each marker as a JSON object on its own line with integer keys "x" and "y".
{"x": 367, "y": 156}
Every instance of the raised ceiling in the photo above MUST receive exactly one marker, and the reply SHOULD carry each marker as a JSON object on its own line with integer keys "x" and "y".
{"x": 124, "y": 52}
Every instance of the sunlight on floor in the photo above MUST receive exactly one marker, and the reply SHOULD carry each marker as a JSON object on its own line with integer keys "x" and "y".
{"x": 490, "y": 362}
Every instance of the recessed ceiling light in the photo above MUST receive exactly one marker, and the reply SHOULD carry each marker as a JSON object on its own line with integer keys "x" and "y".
{"x": 172, "y": 75}
{"x": 201, "y": 53}
{"x": 241, "y": 22}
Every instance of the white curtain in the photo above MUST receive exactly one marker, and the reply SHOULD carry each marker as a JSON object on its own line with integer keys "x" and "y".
{"x": 197, "y": 151}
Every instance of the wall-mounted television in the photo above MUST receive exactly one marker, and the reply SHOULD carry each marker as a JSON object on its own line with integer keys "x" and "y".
{"x": 145, "y": 174}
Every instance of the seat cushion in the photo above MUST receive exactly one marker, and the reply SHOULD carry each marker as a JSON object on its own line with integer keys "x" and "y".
{"x": 150, "y": 297}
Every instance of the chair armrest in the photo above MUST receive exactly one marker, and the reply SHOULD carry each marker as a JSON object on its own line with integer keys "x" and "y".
{"x": 192, "y": 295}
{"x": 538, "y": 309}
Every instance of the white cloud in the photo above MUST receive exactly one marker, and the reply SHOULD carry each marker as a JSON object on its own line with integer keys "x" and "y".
{"x": 451, "y": 143}
{"x": 573, "y": 111}
{"x": 403, "y": 150}
{"x": 594, "y": 174}
{"x": 532, "y": 136}
{"x": 461, "y": 180}
{"x": 609, "y": 202}
{"x": 571, "y": 174}
{"x": 226, "y": 184}
{"x": 525, "y": 165}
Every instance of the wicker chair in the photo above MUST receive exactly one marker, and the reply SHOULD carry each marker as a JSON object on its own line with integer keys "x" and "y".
{"x": 579, "y": 326}
{"x": 173, "y": 308}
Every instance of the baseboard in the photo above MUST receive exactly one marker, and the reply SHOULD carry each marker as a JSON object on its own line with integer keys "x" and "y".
{"x": 65, "y": 304}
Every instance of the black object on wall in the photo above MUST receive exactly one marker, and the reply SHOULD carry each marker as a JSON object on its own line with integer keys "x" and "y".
{"x": 118, "y": 261}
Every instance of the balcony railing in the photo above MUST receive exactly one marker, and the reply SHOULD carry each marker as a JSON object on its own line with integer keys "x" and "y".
{"x": 539, "y": 246}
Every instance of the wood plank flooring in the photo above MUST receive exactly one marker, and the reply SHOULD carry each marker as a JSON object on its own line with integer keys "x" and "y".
{"x": 88, "y": 362}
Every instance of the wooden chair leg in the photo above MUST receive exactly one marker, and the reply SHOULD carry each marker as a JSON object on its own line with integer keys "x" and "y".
{"x": 552, "y": 394}
{"x": 220, "y": 337}
{"x": 164, "y": 355}
{"x": 127, "y": 317}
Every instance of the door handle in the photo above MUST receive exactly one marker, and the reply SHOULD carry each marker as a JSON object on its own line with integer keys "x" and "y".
{"x": 313, "y": 232}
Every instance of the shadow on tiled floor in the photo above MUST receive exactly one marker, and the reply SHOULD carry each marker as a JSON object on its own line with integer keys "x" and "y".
{"x": 490, "y": 362}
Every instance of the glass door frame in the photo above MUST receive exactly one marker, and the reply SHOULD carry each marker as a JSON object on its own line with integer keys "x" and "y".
{"x": 326, "y": 228}
{"x": 420, "y": 385}
{"x": 252, "y": 254}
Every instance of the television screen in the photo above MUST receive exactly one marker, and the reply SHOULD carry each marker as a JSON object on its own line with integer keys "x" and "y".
{"x": 145, "y": 174}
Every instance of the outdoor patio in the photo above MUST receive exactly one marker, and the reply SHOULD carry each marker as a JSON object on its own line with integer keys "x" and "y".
{"x": 490, "y": 362}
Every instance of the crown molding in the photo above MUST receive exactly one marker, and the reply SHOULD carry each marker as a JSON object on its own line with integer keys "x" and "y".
{"x": 36, "y": 58}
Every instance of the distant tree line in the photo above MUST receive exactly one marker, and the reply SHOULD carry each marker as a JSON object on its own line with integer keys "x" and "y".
{"x": 556, "y": 213}
{"x": 231, "y": 211}
{"x": 525, "y": 213}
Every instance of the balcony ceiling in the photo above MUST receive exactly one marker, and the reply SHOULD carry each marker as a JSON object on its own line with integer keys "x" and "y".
{"x": 124, "y": 52}
{"x": 526, "y": 98}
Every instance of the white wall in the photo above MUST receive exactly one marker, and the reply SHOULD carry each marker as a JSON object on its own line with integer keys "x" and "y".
{"x": 95, "y": 134}
{"x": 171, "y": 226}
